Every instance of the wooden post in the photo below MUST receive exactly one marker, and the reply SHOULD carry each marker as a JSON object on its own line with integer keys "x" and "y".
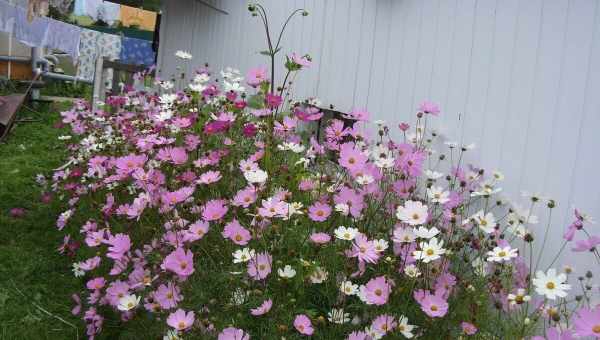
{"x": 97, "y": 92}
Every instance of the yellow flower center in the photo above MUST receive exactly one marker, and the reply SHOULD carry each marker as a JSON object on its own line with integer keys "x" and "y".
{"x": 429, "y": 252}
{"x": 550, "y": 285}
{"x": 434, "y": 308}
{"x": 502, "y": 254}
{"x": 378, "y": 292}
{"x": 596, "y": 329}
{"x": 238, "y": 237}
{"x": 415, "y": 216}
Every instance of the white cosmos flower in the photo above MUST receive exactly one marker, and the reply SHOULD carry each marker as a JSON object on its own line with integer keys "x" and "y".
{"x": 183, "y": 55}
{"x": 413, "y": 213}
{"x": 319, "y": 275}
{"x": 384, "y": 162}
{"x": 256, "y": 176}
{"x": 380, "y": 245}
{"x": 344, "y": 233}
{"x": 412, "y": 271}
{"x": 128, "y": 302}
{"x": 201, "y": 78}
{"x": 294, "y": 147}
{"x": 498, "y": 175}
{"x": 364, "y": 179}
{"x": 243, "y": 255}
{"x": 168, "y": 99}
{"x": 550, "y": 284}
{"x": 338, "y": 316}
{"x": 233, "y": 86}
{"x": 287, "y": 272}
{"x": 349, "y": 288}
{"x": 425, "y": 233}
{"x": 430, "y": 251}
{"x": 197, "y": 87}
{"x": 403, "y": 235}
{"x": 172, "y": 335}
{"x": 343, "y": 208}
{"x": 519, "y": 297}
{"x": 433, "y": 174}
{"x": 486, "y": 222}
{"x": 485, "y": 190}
{"x": 504, "y": 254}
{"x": 438, "y": 195}
{"x": 404, "y": 327}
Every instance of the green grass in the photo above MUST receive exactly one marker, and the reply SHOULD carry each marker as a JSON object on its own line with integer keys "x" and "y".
{"x": 35, "y": 281}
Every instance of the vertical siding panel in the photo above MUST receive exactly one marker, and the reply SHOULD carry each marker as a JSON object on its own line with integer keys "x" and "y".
{"x": 363, "y": 67}
{"x": 501, "y": 70}
{"x": 547, "y": 87}
{"x": 520, "y": 93}
{"x": 427, "y": 48}
{"x": 341, "y": 49}
{"x": 570, "y": 105}
{"x": 480, "y": 73}
{"x": 441, "y": 68}
{"x": 378, "y": 63}
{"x": 324, "y": 79}
{"x": 349, "y": 55}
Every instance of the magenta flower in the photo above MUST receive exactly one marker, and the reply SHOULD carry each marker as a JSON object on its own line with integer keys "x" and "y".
{"x": 178, "y": 196}
{"x": 587, "y": 322}
{"x": 303, "y": 61}
{"x": 17, "y": 212}
{"x": 384, "y": 323}
{"x": 272, "y": 100}
{"x": 180, "y": 320}
{"x": 214, "y": 210}
{"x": 129, "y": 163}
{"x": 249, "y": 130}
{"x": 259, "y": 267}
{"x": 231, "y": 333}
{"x": 118, "y": 246}
{"x": 364, "y": 249}
{"x": 359, "y": 114}
{"x": 403, "y": 126}
{"x": 376, "y": 291}
{"x": 180, "y": 262}
{"x": 587, "y": 245}
{"x": 433, "y": 305}
{"x": 168, "y": 295}
{"x": 319, "y": 212}
{"x": 468, "y": 328}
{"x": 351, "y": 157}
{"x": 177, "y": 155}
{"x": 320, "y": 238}
{"x": 264, "y": 308}
{"x": 236, "y": 233}
{"x": 96, "y": 283}
{"x": 430, "y": 108}
{"x": 358, "y": 335}
{"x": 256, "y": 76}
{"x": 303, "y": 325}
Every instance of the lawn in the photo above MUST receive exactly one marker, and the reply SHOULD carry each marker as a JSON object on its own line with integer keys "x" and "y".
{"x": 35, "y": 281}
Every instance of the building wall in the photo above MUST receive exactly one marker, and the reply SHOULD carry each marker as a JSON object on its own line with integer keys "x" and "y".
{"x": 519, "y": 78}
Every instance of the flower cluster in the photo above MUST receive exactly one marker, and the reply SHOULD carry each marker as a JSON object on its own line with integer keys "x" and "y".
{"x": 213, "y": 211}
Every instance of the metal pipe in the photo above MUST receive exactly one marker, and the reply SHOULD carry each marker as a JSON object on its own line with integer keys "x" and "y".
{"x": 64, "y": 77}
{"x": 14, "y": 58}
{"x": 53, "y": 58}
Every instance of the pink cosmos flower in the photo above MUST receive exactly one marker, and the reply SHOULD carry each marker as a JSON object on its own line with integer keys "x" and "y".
{"x": 433, "y": 305}
{"x": 259, "y": 267}
{"x": 303, "y": 325}
{"x": 17, "y": 212}
{"x": 245, "y": 197}
{"x": 180, "y": 320}
{"x": 264, "y": 308}
{"x": 468, "y": 328}
{"x": 288, "y": 125}
{"x": 403, "y": 126}
{"x": 319, "y": 212}
{"x": 351, "y": 157}
{"x": 209, "y": 177}
{"x": 178, "y": 196}
{"x": 115, "y": 291}
{"x": 320, "y": 238}
{"x": 196, "y": 231}
{"x": 256, "y": 76}
{"x": 231, "y": 333}
{"x": 96, "y": 283}
{"x": 272, "y": 100}
{"x": 587, "y": 245}
{"x": 180, "y": 262}
{"x": 249, "y": 130}
{"x": 129, "y": 163}
{"x": 236, "y": 233}
{"x": 214, "y": 210}
{"x": 118, "y": 246}
{"x": 587, "y": 322}
{"x": 273, "y": 207}
{"x": 303, "y": 61}
{"x": 358, "y": 335}
{"x": 90, "y": 264}
{"x": 177, "y": 155}
{"x": 168, "y": 295}
{"x": 429, "y": 107}
{"x": 308, "y": 114}
{"x": 364, "y": 249}
{"x": 376, "y": 291}
{"x": 359, "y": 114}
{"x": 352, "y": 198}
{"x": 384, "y": 323}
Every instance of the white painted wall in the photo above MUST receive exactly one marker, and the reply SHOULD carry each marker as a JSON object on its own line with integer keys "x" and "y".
{"x": 523, "y": 75}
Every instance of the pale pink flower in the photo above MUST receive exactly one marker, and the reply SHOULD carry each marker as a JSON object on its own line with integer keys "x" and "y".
{"x": 259, "y": 267}
{"x": 236, "y": 233}
{"x": 376, "y": 291}
{"x": 180, "y": 320}
{"x": 303, "y": 325}
{"x": 214, "y": 210}
{"x": 264, "y": 308}
{"x": 180, "y": 262}
{"x": 231, "y": 333}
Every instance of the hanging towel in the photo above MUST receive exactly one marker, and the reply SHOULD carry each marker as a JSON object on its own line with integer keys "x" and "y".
{"x": 64, "y": 37}
{"x": 7, "y": 17}
{"x": 30, "y": 33}
{"x": 131, "y": 16}
{"x": 98, "y": 10}
{"x": 137, "y": 52}
{"x": 109, "y": 47}
{"x": 92, "y": 45}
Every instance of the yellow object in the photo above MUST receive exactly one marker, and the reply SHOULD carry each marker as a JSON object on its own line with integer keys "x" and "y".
{"x": 131, "y": 16}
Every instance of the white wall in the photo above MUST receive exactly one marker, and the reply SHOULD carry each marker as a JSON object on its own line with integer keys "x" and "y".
{"x": 522, "y": 75}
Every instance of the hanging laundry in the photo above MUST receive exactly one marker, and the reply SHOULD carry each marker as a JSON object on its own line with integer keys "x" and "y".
{"x": 7, "y": 17}
{"x": 30, "y": 33}
{"x": 93, "y": 45}
{"x": 62, "y": 6}
{"x": 137, "y": 52}
{"x": 98, "y": 10}
{"x": 64, "y": 37}
{"x": 37, "y": 8}
{"x": 131, "y": 16}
